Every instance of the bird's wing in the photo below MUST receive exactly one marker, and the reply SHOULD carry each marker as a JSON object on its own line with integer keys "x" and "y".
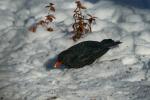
{"x": 93, "y": 55}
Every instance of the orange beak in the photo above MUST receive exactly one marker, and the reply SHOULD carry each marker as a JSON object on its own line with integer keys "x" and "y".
{"x": 57, "y": 64}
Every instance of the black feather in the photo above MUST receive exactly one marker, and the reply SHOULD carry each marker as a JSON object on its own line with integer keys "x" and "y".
{"x": 85, "y": 53}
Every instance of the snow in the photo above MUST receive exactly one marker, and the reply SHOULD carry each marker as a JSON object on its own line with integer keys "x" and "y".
{"x": 145, "y": 36}
{"x": 105, "y": 13}
{"x": 26, "y": 58}
{"x": 133, "y": 18}
{"x": 129, "y": 60}
{"x": 142, "y": 50}
{"x": 6, "y": 19}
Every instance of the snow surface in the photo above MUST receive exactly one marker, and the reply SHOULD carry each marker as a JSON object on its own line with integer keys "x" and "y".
{"x": 26, "y": 58}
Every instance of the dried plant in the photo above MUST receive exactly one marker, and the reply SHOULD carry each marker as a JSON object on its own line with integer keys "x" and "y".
{"x": 81, "y": 25}
{"x": 90, "y": 21}
{"x": 33, "y": 28}
{"x": 47, "y": 20}
{"x": 51, "y": 7}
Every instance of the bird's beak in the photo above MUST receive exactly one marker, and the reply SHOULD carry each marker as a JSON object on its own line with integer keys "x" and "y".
{"x": 57, "y": 64}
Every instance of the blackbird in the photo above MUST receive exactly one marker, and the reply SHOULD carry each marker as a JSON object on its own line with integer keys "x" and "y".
{"x": 84, "y": 53}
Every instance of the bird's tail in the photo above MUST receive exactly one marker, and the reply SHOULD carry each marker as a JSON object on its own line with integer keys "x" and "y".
{"x": 109, "y": 43}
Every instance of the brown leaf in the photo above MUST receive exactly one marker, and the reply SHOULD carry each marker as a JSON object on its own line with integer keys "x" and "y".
{"x": 51, "y": 4}
{"x": 50, "y": 18}
{"x": 50, "y": 29}
{"x": 52, "y": 9}
{"x": 33, "y": 28}
{"x": 79, "y": 5}
{"x": 89, "y": 15}
{"x": 83, "y": 7}
{"x": 77, "y": 2}
{"x": 80, "y": 29}
{"x": 91, "y": 19}
{"x": 47, "y": 6}
{"x": 84, "y": 24}
{"x": 52, "y": 98}
{"x": 41, "y": 22}
{"x": 80, "y": 18}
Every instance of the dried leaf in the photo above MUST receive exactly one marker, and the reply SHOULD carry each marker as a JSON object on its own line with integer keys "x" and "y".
{"x": 33, "y": 28}
{"x": 89, "y": 15}
{"x": 84, "y": 24}
{"x": 79, "y": 5}
{"x": 83, "y": 7}
{"x": 47, "y": 6}
{"x": 50, "y": 29}
{"x": 51, "y": 4}
{"x": 50, "y": 18}
{"x": 41, "y": 22}
{"x": 91, "y": 19}
{"x": 52, "y": 98}
{"x": 52, "y": 9}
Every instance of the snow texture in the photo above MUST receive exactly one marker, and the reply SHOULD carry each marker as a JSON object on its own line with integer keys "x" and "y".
{"x": 26, "y": 58}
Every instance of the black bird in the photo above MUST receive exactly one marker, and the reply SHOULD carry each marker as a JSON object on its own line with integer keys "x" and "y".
{"x": 84, "y": 53}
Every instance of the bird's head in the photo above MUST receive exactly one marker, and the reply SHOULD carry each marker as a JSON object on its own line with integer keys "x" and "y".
{"x": 59, "y": 61}
{"x": 57, "y": 64}
{"x": 110, "y": 43}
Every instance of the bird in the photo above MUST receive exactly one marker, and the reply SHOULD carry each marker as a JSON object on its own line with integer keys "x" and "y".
{"x": 84, "y": 53}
